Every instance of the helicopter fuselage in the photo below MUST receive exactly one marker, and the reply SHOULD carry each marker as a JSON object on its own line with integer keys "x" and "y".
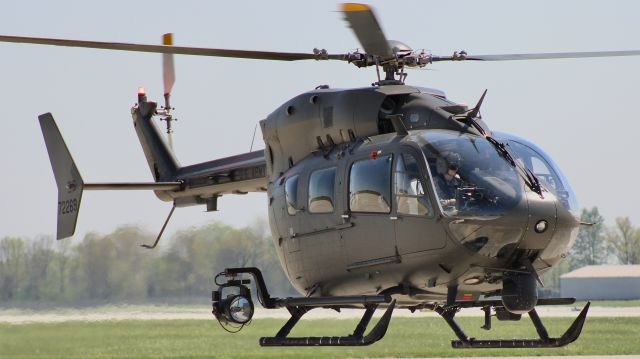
{"x": 359, "y": 201}
{"x": 355, "y": 208}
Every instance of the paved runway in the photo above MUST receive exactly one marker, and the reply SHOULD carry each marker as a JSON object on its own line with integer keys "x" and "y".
{"x": 150, "y": 312}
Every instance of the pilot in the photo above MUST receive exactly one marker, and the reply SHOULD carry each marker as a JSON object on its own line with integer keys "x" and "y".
{"x": 448, "y": 180}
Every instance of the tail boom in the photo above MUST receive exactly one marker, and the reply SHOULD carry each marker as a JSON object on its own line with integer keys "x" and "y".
{"x": 198, "y": 184}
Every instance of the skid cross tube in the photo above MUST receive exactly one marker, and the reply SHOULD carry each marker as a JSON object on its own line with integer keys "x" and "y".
{"x": 366, "y": 318}
{"x": 356, "y": 339}
{"x": 296, "y": 314}
{"x": 498, "y": 303}
{"x": 573, "y": 332}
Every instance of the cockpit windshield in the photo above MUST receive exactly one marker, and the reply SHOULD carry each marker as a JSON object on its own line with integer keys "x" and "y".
{"x": 469, "y": 176}
{"x": 545, "y": 169}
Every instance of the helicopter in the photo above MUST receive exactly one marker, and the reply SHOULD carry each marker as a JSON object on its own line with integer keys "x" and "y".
{"x": 357, "y": 215}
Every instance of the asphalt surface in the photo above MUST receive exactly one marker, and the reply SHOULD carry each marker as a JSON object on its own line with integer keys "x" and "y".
{"x": 19, "y": 316}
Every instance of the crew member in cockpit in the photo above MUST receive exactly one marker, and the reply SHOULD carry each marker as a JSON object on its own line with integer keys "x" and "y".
{"x": 448, "y": 180}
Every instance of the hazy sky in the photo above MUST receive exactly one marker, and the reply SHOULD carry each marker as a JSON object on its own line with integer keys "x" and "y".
{"x": 584, "y": 113}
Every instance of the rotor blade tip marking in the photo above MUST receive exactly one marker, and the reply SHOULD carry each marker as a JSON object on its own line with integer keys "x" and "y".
{"x": 167, "y": 39}
{"x": 355, "y": 7}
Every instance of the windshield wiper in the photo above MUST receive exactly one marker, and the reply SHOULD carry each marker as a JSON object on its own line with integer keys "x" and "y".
{"x": 502, "y": 150}
{"x": 529, "y": 177}
{"x": 533, "y": 182}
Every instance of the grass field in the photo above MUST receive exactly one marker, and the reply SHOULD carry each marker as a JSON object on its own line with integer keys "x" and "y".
{"x": 407, "y": 337}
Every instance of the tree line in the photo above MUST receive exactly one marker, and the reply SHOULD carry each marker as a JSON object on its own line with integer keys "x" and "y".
{"x": 598, "y": 244}
{"x": 114, "y": 267}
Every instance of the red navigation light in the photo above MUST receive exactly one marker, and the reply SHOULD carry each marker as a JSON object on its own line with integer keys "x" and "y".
{"x": 141, "y": 91}
{"x": 375, "y": 154}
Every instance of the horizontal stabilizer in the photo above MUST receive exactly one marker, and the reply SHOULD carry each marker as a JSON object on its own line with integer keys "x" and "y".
{"x": 133, "y": 186}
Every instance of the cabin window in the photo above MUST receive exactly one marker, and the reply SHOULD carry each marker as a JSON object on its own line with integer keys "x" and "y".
{"x": 410, "y": 196}
{"x": 321, "y": 189}
{"x": 370, "y": 185}
{"x": 291, "y": 193}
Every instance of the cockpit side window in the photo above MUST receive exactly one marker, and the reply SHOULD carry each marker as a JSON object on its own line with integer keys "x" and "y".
{"x": 291, "y": 193}
{"x": 370, "y": 185}
{"x": 321, "y": 190}
{"x": 409, "y": 192}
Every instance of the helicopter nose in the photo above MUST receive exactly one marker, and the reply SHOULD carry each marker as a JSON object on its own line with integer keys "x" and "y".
{"x": 542, "y": 221}
{"x": 531, "y": 225}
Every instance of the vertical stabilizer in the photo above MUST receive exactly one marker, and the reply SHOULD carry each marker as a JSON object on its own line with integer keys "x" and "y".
{"x": 68, "y": 179}
{"x": 160, "y": 158}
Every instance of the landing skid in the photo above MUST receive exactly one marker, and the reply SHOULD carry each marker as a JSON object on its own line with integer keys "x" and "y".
{"x": 573, "y": 332}
{"x": 298, "y": 307}
{"x": 356, "y": 339}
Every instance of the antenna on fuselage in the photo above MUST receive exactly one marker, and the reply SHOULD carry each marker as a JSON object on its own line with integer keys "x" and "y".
{"x": 255, "y": 128}
{"x": 476, "y": 110}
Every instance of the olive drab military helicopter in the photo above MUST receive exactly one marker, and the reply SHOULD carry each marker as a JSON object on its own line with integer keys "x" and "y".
{"x": 388, "y": 197}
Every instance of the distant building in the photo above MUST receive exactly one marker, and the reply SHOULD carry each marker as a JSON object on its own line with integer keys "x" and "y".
{"x": 602, "y": 282}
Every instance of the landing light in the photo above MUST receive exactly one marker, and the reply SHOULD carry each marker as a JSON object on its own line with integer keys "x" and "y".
{"x": 541, "y": 226}
{"x": 239, "y": 309}
{"x": 235, "y": 307}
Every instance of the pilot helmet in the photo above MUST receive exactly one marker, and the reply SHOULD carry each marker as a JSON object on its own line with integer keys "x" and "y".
{"x": 449, "y": 160}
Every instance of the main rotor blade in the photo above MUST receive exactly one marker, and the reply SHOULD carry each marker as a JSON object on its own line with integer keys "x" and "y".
{"x": 365, "y": 25}
{"x": 540, "y": 56}
{"x": 182, "y": 50}
{"x": 168, "y": 70}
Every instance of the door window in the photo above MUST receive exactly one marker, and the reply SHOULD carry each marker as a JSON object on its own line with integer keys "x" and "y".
{"x": 370, "y": 185}
{"x": 409, "y": 192}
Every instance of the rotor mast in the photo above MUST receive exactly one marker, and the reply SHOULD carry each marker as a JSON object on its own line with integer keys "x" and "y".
{"x": 392, "y": 55}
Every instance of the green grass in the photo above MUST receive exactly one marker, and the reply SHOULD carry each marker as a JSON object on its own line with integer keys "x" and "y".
{"x": 407, "y": 337}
